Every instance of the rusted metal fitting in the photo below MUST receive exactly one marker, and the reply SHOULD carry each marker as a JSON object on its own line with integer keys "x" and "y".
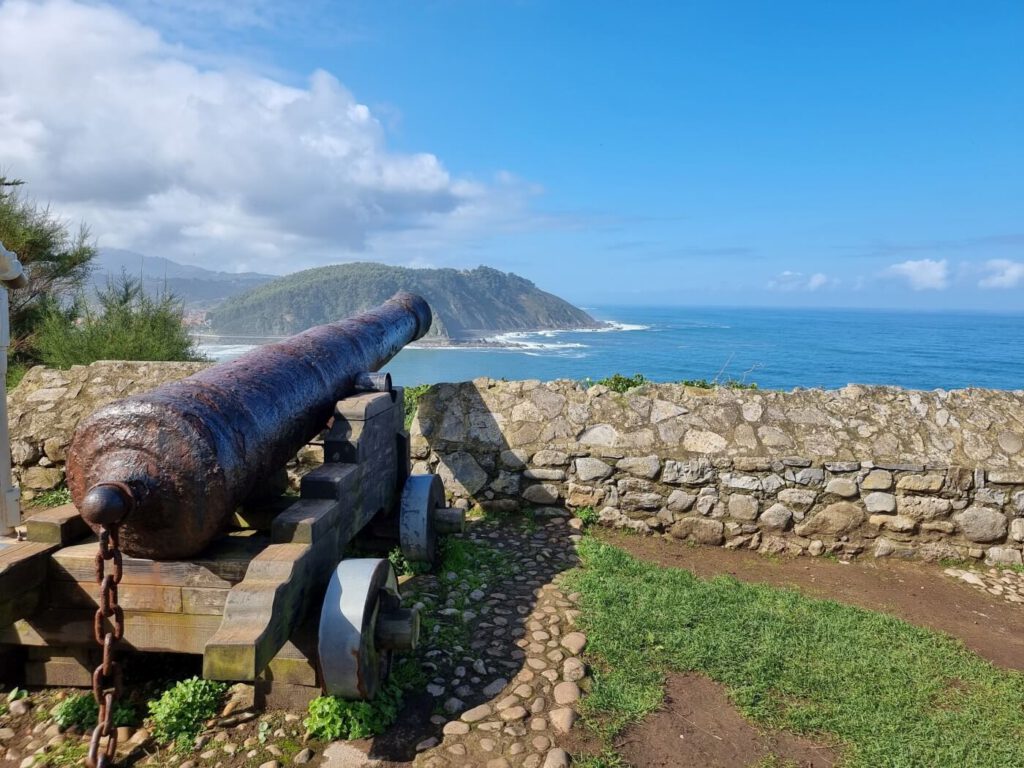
{"x": 107, "y": 503}
{"x": 372, "y": 381}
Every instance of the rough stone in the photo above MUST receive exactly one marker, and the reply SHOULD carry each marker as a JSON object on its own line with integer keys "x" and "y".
{"x": 700, "y": 530}
{"x": 680, "y": 501}
{"x": 923, "y": 507}
{"x": 798, "y": 499}
{"x": 776, "y": 517}
{"x": 556, "y": 758}
{"x": 835, "y": 520}
{"x": 842, "y": 486}
{"x": 543, "y": 493}
{"x": 549, "y": 458}
{"x": 880, "y": 502}
{"x": 742, "y": 507}
{"x": 693, "y": 472}
{"x": 461, "y": 473}
{"x": 921, "y": 483}
{"x": 981, "y": 524}
{"x": 877, "y": 480}
{"x": 1003, "y": 556}
{"x": 646, "y": 467}
{"x": 589, "y": 469}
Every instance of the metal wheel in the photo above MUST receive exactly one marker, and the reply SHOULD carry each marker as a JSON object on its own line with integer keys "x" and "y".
{"x": 416, "y": 530}
{"x": 361, "y": 622}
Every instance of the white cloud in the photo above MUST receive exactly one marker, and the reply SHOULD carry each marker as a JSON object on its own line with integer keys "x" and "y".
{"x": 1003, "y": 273}
{"x": 798, "y": 281}
{"x": 214, "y": 164}
{"x": 923, "y": 274}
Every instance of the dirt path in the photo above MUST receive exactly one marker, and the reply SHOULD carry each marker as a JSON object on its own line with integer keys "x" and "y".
{"x": 917, "y": 592}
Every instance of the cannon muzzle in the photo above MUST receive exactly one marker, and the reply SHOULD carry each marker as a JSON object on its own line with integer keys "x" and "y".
{"x": 171, "y": 465}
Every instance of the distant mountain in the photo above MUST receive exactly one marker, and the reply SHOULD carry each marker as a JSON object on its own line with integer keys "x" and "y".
{"x": 195, "y": 286}
{"x": 466, "y": 303}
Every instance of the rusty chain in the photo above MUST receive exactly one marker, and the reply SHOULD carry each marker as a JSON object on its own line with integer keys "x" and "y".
{"x": 107, "y": 678}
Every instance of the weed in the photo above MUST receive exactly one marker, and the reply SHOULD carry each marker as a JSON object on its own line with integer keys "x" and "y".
{"x": 619, "y": 383}
{"x": 54, "y": 498}
{"x": 588, "y": 516}
{"x": 402, "y": 566}
{"x": 178, "y": 715}
{"x": 867, "y": 681}
{"x": 81, "y": 709}
{"x": 331, "y": 718}
{"x": 65, "y": 755}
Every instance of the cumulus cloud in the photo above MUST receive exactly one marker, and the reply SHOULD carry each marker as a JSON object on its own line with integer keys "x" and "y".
{"x": 923, "y": 274}
{"x": 1002, "y": 273}
{"x": 213, "y": 164}
{"x": 798, "y": 281}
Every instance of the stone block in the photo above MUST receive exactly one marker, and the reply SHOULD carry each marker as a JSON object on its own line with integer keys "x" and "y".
{"x": 751, "y": 464}
{"x": 740, "y": 482}
{"x": 897, "y": 523}
{"x": 776, "y": 517}
{"x": 680, "y": 501}
{"x": 585, "y": 496}
{"x": 842, "y": 486}
{"x": 548, "y": 458}
{"x": 1017, "y": 529}
{"x": 798, "y": 499}
{"x": 808, "y": 476}
{"x": 543, "y": 473}
{"x": 1005, "y": 477}
{"x": 835, "y": 520}
{"x": 514, "y": 459}
{"x": 981, "y": 524}
{"x": 692, "y": 472}
{"x": 700, "y": 530}
{"x": 1003, "y": 556}
{"x": 877, "y": 480}
{"x": 646, "y": 467}
{"x": 742, "y": 507}
{"x": 842, "y": 466}
{"x": 590, "y": 469}
{"x": 543, "y": 493}
{"x": 634, "y": 501}
{"x": 772, "y": 484}
{"x": 506, "y": 482}
{"x": 880, "y": 502}
{"x": 921, "y": 483}
{"x": 41, "y": 478}
{"x": 923, "y": 507}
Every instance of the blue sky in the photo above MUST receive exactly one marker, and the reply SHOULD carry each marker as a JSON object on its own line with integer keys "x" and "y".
{"x": 852, "y": 154}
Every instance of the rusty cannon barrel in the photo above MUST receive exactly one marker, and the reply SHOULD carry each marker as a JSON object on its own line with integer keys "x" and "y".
{"x": 172, "y": 464}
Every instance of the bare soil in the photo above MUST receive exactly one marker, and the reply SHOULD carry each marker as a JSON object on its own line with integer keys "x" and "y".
{"x": 916, "y": 592}
{"x": 698, "y": 726}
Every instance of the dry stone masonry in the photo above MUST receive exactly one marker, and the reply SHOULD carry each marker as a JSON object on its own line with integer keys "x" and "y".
{"x": 877, "y": 470}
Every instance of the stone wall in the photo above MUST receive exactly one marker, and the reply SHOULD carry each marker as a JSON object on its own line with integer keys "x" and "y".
{"x": 47, "y": 404}
{"x": 877, "y": 470}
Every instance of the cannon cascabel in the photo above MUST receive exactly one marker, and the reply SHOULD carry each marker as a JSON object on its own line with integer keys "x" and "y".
{"x": 175, "y": 462}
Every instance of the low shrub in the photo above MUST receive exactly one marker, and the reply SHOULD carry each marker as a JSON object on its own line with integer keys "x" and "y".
{"x": 179, "y": 714}
{"x": 82, "y": 710}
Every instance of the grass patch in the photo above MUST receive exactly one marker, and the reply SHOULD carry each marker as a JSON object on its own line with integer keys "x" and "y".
{"x": 57, "y": 497}
{"x": 889, "y": 693}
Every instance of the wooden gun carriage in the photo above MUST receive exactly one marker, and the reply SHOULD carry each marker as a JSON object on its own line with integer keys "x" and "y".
{"x": 268, "y": 598}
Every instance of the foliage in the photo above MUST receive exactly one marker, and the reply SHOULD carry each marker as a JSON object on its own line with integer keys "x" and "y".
{"x": 404, "y": 567}
{"x": 588, "y": 515}
{"x": 57, "y": 262}
{"x": 619, "y": 383}
{"x": 129, "y": 325}
{"x": 66, "y": 754}
{"x": 81, "y": 709}
{"x": 331, "y": 718}
{"x": 462, "y": 301}
{"x": 888, "y": 692}
{"x": 412, "y": 401}
{"x": 178, "y": 715}
{"x": 56, "y": 497}
{"x": 729, "y": 384}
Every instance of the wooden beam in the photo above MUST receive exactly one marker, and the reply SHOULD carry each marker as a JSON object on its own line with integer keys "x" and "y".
{"x": 22, "y": 572}
{"x": 60, "y": 525}
{"x": 143, "y": 630}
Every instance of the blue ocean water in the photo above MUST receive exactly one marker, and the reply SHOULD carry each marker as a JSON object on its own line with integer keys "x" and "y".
{"x": 776, "y": 348}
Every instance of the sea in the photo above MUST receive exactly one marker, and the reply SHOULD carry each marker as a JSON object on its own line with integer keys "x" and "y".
{"x": 773, "y": 348}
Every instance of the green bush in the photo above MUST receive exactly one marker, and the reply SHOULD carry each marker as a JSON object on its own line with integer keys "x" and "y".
{"x": 81, "y": 709}
{"x": 331, "y": 718}
{"x": 412, "y": 401}
{"x": 619, "y": 383}
{"x": 178, "y": 715}
{"x": 129, "y": 325}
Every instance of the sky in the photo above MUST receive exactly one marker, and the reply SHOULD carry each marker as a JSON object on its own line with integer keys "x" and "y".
{"x": 722, "y": 152}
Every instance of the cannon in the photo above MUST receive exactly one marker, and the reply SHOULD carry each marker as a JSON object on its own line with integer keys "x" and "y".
{"x": 215, "y": 560}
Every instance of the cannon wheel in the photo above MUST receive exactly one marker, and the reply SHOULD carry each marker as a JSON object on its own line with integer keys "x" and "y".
{"x": 421, "y": 497}
{"x": 360, "y": 591}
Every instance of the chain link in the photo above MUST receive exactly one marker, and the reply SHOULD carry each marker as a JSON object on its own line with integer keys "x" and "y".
{"x": 107, "y": 678}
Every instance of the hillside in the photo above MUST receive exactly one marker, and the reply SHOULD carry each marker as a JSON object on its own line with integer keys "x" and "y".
{"x": 466, "y": 303}
{"x": 196, "y": 287}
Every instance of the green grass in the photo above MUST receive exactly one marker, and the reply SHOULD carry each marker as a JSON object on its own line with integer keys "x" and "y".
{"x": 53, "y": 498}
{"x": 412, "y": 401}
{"x": 888, "y": 693}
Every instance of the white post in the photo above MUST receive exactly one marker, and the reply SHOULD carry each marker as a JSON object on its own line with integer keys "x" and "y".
{"x": 10, "y": 502}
